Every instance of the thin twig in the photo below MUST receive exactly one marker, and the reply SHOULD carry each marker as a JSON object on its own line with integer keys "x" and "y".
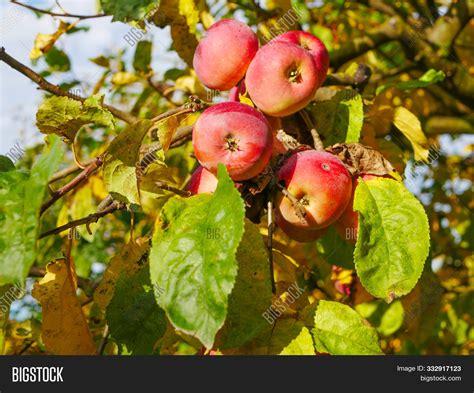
{"x": 91, "y": 218}
{"x": 53, "y": 89}
{"x": 270, "y": 243}
{"x": 105, "y": 339}
{"x": 85, "y": 173}
{"x": 163, "y": 186}
{"x": 64, "y": 15}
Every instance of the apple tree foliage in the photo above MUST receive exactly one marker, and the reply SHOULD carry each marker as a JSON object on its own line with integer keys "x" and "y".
{"x": 149, "y": 269}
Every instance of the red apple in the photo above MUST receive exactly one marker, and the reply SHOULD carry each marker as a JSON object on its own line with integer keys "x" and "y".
{"x": 224, "y": 54}
{"x": 299, "y": 234}
{"x": 347, "y": 224}
{"x": 202, "y": 181}
{"x": 321, "y": 184}
{"x": 281, "y": 79}
{"x": 313, "y": 45}
{"x": 236, "y": 135}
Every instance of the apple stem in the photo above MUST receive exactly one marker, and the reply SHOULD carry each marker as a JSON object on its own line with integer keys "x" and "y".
{"x": 270, "y": 243}
{"x": 297, "y": 203}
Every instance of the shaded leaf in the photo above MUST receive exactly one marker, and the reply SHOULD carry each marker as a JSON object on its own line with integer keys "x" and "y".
{"x": 57, "y": 60}
{"x": 142, "y": 57}
{"x": 252, "y": 292}
{"x": 388, "y": 260}
{"x": 135, "y": 320}
{"x": 340, "y": 118}
{"x": 334, "y": 251}
{"x": 129, "y": 259}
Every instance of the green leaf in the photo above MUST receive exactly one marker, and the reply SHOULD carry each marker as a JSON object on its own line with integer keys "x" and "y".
{"x": 64, "y": 116}
{"x": 127, "y": 10}
{"x": 193, "y": 258}
{"x": 21, "y": 195}
{"x": 57, "y": 60}
{"x": 393, "y": 239}
{"x": 301, "y": 345}
{"x": 6, "y": 164}
{"x": 340, "y": 119}
{"x": 135, "y": 320}
{"x": 252, "y": 293}
{"x": 430, "y": 77}
{"x": 334, "y": 251}
{"x": 340, "y": 330}
{"x": 142, "y": 57}
{"x": 120, "y": 175}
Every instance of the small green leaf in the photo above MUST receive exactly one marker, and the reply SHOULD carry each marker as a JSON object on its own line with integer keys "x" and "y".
{"x": 142, "y": 57}
{"x": 340, "y": 119}
{"x": 127, "y": 10}
{"x": 340, "y": 330}
{"x": 6, "y": 164}
{"x": 252, "y": 293}
{"x": 193, "y": 258}
{"x": 120, "y": 163}
{"x": 301, "y": 345}
{"x": 135, "y": 320}
{"x": 57, "y": 60}
{"x": 393, "y": 240}
{"x": 430, "y": 77}
{"x": 64, "y": 116}
{"x": 21, "y": 195}
{"x": 386, "y": 318}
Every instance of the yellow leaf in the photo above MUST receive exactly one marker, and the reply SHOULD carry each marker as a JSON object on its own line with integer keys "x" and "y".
{"x": 188, "y": 9}
{"x": 82, "y": 205}
{"x": 123, "y": 78}
{"x": 166, "y": 130}
{"x": 64, "y": 329}
{"x": 410, "y": 126}
{"x": 44, "y": 42}
{"x": 127, "y": 260}
{"x": 244, "y": 99}
{"x": 190, "y": 83}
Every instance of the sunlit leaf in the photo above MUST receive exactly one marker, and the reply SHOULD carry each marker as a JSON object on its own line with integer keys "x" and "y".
{"x": 388, "y": 260}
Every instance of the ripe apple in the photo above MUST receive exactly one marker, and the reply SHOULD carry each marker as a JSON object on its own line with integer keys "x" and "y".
{"x": 224, "y": 54}
{"x": 348, "y": 223}
{"x": 281, "y": 79}
{"x": 202, "y": 181}
{"x": 302, "y": 235}
{"x": 236, "y": 135}
{"x": 313, "y": 45}
{"x": 321, "y": 184}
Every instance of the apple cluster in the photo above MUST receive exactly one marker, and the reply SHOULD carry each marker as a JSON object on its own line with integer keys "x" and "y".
{"x": 280, "y": 78}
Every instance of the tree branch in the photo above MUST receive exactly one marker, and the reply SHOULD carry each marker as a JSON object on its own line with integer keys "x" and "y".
{"x": 53, "y": 89}
{"x": 91, "y": 218}
{"x": 436, "y": 125}
{"x": 85, "y": 173}
{"x": 64, "y": 15}
{"x": 164, "y": 186}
